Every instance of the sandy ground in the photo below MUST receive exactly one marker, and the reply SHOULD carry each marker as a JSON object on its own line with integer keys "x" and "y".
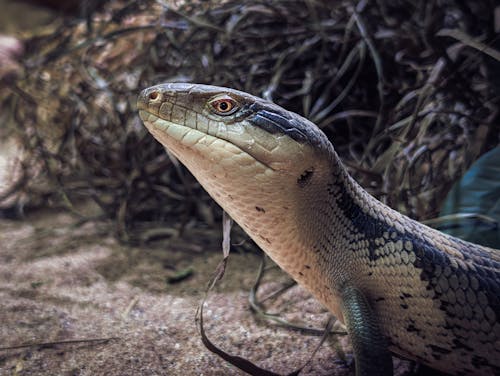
{"x": 63, "y": 281}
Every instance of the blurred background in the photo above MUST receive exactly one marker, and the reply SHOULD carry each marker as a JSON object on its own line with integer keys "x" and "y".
{"x": 408, "y": 92}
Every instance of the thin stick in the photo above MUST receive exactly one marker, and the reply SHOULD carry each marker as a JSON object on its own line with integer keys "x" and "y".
{"x": 63, "y": 342}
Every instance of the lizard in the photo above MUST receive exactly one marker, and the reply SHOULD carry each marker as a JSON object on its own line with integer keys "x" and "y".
{"x": 399, "y": 286}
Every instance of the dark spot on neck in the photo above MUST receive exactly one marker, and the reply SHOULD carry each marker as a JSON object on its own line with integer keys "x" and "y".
{"x": 265, "y": 239}
{"x": 259, "y": 209}
{"x": 305, "y": 177}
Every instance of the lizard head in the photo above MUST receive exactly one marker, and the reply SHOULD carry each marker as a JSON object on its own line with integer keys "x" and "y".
{"x": 261, "y": 163}
{"x": 188, "y": 118}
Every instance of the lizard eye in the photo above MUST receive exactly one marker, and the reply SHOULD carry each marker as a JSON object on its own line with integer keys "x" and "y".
{"x": 223, "y": 105}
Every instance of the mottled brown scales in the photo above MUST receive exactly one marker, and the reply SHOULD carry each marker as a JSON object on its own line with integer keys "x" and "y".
{"x": 433, "y": 298}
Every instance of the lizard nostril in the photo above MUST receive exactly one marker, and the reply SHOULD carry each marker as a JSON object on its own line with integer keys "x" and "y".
{"x": 154, "y": 95}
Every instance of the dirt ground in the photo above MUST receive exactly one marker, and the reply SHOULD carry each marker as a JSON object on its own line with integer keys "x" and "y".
{"x": 60, "y": 281}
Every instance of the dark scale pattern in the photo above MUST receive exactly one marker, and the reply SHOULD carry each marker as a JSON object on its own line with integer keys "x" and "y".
{"x": 276, "y": 123}
{"x": 463, "y": 284}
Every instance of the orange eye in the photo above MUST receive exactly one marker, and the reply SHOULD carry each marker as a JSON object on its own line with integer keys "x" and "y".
{"x": 223, "y": 105}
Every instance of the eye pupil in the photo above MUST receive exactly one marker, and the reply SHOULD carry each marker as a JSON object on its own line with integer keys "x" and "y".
{"x": 223, "y": 105}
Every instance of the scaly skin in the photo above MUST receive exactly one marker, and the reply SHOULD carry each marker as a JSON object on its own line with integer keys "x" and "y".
{"x": 398, "y": 284}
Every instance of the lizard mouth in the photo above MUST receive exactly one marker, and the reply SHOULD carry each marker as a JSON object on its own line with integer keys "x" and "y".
{"x": 179, "y": 138}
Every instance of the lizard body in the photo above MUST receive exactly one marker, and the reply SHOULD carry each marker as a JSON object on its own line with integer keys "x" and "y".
{"x": 398, "y": 285}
